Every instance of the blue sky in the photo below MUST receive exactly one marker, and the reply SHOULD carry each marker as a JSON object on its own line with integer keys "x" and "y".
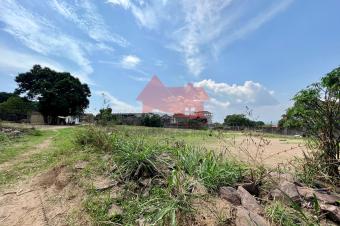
{"x": 243, "y": 52}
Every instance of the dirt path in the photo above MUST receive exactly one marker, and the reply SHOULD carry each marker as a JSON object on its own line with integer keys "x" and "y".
{"x": 46, "y": 199}
{"x": 24, "y": 156}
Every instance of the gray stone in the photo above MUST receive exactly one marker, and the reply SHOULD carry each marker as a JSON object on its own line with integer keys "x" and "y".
{"x": 308, "y": 194}
{"x": 115, "y": 211}
{"x": 230, "y": 194}
{"x": 287, "y": 191}
{"x": 248, "y": 201}
{"x": 102, "y": 183}
{"x": 245, "y": 217}
{"x": 333, "y": 212}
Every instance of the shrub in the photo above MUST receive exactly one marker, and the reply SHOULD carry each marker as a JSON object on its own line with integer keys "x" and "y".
{"x": 212, "y": 169}
{"x": 95, "y": 138}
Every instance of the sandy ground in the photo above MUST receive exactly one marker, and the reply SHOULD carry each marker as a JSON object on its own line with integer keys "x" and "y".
{"x": 46, "y": 199}
{"x": 255, "y": 150}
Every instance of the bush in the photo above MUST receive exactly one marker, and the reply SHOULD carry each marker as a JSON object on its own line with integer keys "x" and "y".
{"x": 95, "y": 138}
{"x": 212, "y": 169}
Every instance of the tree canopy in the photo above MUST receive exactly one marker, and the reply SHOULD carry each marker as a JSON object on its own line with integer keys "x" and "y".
{"x": 240, "y": 120}
{"x": 58, "y": 93}
{"x": 317, "y": 110}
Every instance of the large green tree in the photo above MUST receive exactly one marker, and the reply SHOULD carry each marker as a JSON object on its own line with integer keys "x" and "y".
{"x": 58, "y": 93}
{"x": 317, "y": 110}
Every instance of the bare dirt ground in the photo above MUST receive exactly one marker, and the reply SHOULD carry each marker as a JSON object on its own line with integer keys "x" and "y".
{"x": 269, "y": 151}
{"x": 30, "y": 126}
{"x": 46, "y": 199}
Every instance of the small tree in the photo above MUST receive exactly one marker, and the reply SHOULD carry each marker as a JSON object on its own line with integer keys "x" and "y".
{"x": 317, "y": 110}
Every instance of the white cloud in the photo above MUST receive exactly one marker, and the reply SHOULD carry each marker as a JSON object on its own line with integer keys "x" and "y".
{"x": 139, "y": 79}
{"x": 147, "y": 13}
{"x": 250, "y": 93}
{"x": 124, "y": 3}
{"x": 17, "y": 62}
{"x": 130, "y": 61}
{"x": 86, "y": 17}
{"x": 40, "y": 35}
{"x": 227, "y": 99}
{"x": 117, "y": 105}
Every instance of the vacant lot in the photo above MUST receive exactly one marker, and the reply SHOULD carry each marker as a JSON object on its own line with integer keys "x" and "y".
{"x": 46, "y": 179}
{"x": 262, "y": 148}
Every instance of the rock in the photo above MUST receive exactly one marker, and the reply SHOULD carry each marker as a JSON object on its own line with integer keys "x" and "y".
{"x": 281, "y": 177}
{"x": 230, "y": 194}
{"x": 251, "y": 187}
{"x": 287, "y": 191}
{"x": 333, "y": 212}
{"x": 245, "y": 217}
{"x": 80, "y": 165}
{"x": 102, "y": 183}
{"x": 308, "y": 194}
{"x": 115, "y": 210}
{"x": 248, "y": 201}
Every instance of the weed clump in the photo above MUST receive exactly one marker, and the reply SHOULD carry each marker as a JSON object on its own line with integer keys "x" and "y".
{"x": 95, "y": 138}
{"x": 281, "y": 214}
{"x": 212, "y": 169}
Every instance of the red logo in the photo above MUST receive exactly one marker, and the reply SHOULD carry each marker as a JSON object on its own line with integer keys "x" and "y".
{"x": 187, "y": 100}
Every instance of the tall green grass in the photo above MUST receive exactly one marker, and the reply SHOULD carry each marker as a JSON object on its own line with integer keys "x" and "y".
{"x": 167, "y": 201}
{"x": 211, "y": 168}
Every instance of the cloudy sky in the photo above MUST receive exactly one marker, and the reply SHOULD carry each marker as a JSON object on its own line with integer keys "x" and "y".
{"x": 243, "y": 52}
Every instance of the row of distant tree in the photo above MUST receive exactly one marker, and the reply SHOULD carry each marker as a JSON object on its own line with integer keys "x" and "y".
{"x": 51, "y": 93}
{"x": 106, "y": 117}
{"x": 241, "y": 120}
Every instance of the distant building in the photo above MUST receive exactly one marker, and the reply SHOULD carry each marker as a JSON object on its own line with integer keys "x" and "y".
{"x": 69, "y": 120}
{"x": 206, "y": 114}
{"x": 36, "y": 118}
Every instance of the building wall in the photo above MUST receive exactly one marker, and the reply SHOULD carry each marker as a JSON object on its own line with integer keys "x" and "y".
{"x": 36, "y": 118}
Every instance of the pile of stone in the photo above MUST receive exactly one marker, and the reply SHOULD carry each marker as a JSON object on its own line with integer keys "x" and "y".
{"x": 284, "y": 188}
{"x": 11, "y": 132}
{"x": 287, "y": 189}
